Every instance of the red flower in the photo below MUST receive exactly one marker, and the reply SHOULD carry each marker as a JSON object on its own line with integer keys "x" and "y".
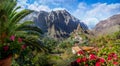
{"x": 86, "y": 64}
{"x": 84, "y": 59}
{"x": 6, "y": 48}
{"x": 115, "y": 56}
{"x": 92, "y": 57}
{"x": 102, "y": 60}
{"x": 109, "y": 58}
{"x": 115, "y": 63}
{"x": 80, "y": 52}
{"x": 97, "y": 64}
{"x": 78, "y": 60}
{"x": 12, "y": 38}
{"x": 112, "y": 56}
{"x": 19, "y": 40}
{"x": 24, "y": 46}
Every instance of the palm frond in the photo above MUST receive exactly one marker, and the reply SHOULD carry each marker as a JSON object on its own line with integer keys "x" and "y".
{"x": 10, "y": 24}
{"x": 14, "y": 12}
{"x": 34, "y": 43}
{"x": 18, "y": 16}
{"x": 17, "y": 26}
{"x": 30, "y": 27}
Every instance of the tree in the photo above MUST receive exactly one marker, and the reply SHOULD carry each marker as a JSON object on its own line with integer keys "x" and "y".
{"x": 10, "y": 24}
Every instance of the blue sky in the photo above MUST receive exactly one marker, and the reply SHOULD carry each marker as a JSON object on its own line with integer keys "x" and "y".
{"x": 88, "y": 11}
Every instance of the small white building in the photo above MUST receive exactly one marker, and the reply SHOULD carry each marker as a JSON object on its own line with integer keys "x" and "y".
{"x": 76, "y": 49}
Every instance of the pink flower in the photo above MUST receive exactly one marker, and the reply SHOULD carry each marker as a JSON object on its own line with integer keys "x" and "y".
{"x": 115, "y": 63}
{"x": 6, "y": 48}
{"x": 109, "y": 58}
{"x": 102, "y": 60}
{"x": 78, "y": 60}
{"x": 19, "y": 40}
{"x": 12, "y": 38}
{"x": 92, "y": 57}
{"x": 97, "y": 64}
{"x": 115, "y": 56}
{"x": 24, "y": 46}
{"x": 112, "y": 56}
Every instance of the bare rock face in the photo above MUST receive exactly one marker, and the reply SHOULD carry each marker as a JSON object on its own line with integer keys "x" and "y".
{"x": 57, "y": 24}
{"x": 108, "y": 26}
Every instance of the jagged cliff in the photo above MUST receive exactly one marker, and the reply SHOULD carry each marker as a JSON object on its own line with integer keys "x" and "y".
{"x": 108, "y": 26}
{"x": 57, "y": 24}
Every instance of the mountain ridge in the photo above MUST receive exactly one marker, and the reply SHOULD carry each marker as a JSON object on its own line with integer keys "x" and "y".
{"x": 61, "y": 22}
{"x": 108, "y": 26}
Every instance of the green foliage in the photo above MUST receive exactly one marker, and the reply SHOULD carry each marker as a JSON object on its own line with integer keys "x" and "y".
{"x": 49, "y": 43}
{"x": 10, "y": 24}
{"x": 39, "y": 59}
{"x": 106, "y": 45}
{"x": 116, "y": 35}
{"x": 105, "y": 40}
{"x": 65, "y": 44}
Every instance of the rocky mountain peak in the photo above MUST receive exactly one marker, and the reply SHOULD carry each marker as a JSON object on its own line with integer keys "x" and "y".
{"x": 61, "y": 22}
{"x": 110, "y": 25}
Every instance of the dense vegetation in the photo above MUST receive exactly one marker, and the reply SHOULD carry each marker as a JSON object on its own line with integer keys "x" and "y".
{"x": 45, "y": 51}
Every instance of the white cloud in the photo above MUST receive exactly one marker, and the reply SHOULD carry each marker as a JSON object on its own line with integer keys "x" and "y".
{"x": 46, "y": 4}
{"x": 80, "y": 11}
{"x": 39, "y": 5}
{"x": 91, "y": 15}
{"x": 90, "y": 20}
{"x": 22, "y": 3}
{"x": 35, "y": 6}
{"x": 55, "y": 2}
{"x": 59, "y": 8}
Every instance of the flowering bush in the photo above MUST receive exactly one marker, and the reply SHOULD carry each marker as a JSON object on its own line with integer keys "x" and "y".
{"x": 84, "y": 59}
{"x": 12, "y": 45}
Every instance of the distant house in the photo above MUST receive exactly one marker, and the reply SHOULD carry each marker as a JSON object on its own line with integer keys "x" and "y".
{"x": 75, "y": 49}
{"x": 78, "y": 38}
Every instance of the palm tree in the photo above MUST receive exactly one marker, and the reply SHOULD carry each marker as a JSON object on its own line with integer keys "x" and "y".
{"x": 10, "y": 24}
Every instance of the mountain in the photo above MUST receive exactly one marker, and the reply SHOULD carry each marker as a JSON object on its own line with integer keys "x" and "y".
{"x": 108, "y": 26}
{"x": 56, "y": 24}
